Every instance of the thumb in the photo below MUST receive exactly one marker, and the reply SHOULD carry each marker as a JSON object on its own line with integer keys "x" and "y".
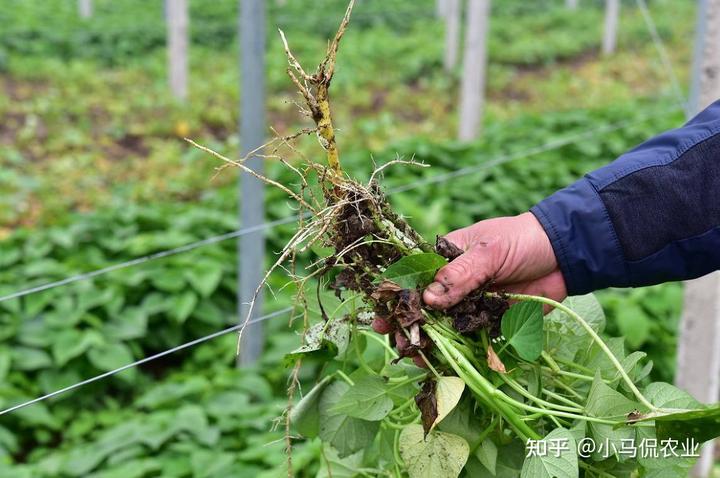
{"x": 457, "y": 279}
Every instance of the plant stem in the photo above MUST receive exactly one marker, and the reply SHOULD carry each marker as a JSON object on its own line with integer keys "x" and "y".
{"x": 521, "y": 390}
{"x": 479, "y": 384}
{"x": 599, "y": 341}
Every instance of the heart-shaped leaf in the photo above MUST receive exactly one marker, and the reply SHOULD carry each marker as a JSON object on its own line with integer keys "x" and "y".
{"x": 439, "y": 454}
{"x": 522, "y": 326}
{"x": 557, "y": 459}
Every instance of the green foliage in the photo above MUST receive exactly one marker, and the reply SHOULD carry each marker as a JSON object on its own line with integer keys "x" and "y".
{"x": 522, "y": 327}
{"x": 414, "y": 271}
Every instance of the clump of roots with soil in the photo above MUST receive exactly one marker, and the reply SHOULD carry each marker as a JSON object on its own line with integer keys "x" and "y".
{"x": 487, "y": 378}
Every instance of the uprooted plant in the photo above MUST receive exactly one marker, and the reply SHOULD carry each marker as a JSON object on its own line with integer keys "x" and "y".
{"x": 493, "y": 389}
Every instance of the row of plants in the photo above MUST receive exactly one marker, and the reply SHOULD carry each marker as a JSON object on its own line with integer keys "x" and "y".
{"x": 58, "y": 337}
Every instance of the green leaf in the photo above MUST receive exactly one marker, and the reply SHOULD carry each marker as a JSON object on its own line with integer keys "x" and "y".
{"x": 664, "y": 395}
{"x": 634, "y": 324}
{"x": 335, "y": 467}
{"x": 464, "y": 422}
{"x": 510, "y": 459}
{"x": 306, "y": 415}
{"x": 5, "y": 362}
{"x": 487, "y": 454}
{"x": 182, "y": 306}
{"x": 439, "y": 454}
{"x": 604, "y": 402}
{"x": 564, "y": 336}
{"x": 346, "y": 434}
{"x": 448, "y": 391}
{"x": 131, "y": 323}
{"x": 559, "y": 461}
{"x": 205, "y": 277}
{"x": 522, "y": 326}
{"x": 26, "y": 358}
{"x": 110, "y": 356}
{"x": 72, "y": 343}
{"x": 700, "y": 424}
{"x": 368, "y": 399}
{"x": 415, "y": 271}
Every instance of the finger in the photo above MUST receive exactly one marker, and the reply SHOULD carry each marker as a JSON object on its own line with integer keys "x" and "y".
{"x": 459, "y": 278}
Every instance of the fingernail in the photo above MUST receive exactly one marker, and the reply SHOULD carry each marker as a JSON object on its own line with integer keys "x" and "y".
{"x": 436, "y": 288}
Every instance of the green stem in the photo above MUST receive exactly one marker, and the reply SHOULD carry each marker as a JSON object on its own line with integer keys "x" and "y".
{"x": 550, "y": 361}
{"x": 479, "y": 384}
{"x": 376, "y": 338}
{"x": 346, "y": 378}
{"x": 603, "y": 346}
{"x": 521, "y": 390}
{"x": 572, "y": 364}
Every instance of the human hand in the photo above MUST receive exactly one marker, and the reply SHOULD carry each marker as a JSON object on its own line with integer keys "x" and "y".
{"x": 514, "y": 252}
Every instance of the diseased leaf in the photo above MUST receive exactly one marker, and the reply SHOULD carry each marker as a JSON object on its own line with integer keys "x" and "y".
{"x": 305, "y": 415}
{"x": 346, "y": 434}
{"x": 368, "y": 400}
{"x": 426, "y": 401}
{"x": 560, "y": 460}
{"x": 494, "y": 361}
{"x": 324, "y": 339}
{"x": 439, "y": 454}
{"x": 415, "y": 271}
{"x": 700, "y": 425}
{"x": 522, "y": 326}
{"x": 448, "y": 392}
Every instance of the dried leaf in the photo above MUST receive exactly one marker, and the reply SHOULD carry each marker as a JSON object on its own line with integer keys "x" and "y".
{"x": 386, "y": 290}
{"x": 447, "y": 249}
{"x": 427, "y": 403}
{"x": 494, "y": 361}
{"x": 408, "y": 310}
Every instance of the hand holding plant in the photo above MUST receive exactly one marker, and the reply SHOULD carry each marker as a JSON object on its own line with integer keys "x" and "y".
{"x": 512, "y": 253}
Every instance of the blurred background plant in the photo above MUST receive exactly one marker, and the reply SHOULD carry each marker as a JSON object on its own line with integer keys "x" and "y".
{"x": 93, "y": 171}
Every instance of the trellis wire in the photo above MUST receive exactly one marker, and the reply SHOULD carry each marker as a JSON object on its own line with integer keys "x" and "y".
{"x": 663, "y": 54}
{"x": 147, "y": 359}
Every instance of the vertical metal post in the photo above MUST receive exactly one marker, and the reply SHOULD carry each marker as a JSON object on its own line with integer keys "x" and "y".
{"x": 85, "y": 8}
{"x": 612, "y": 17}
{"x": 472, "y": 91}
{"x": 452, "y": 10}
{"x": 440, "y": 8}
{"x": 177, "y": 47}
{"x": 251, "y": 247}
{"x": 698, "y": 355}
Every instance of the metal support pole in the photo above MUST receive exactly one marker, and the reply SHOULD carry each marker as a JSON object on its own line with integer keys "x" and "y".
{"x": 698, "y": 355}
{"x": 451, "y": 12}
{"x": 612, "y": 17}
{"x": 85, "y": 8}
{"x": 472, "y": 93}
{"x": 177, "y": 47}
{"x": 251, "y": 247}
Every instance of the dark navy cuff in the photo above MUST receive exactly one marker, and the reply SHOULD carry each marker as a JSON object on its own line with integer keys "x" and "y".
{"x": 583, "y": 238}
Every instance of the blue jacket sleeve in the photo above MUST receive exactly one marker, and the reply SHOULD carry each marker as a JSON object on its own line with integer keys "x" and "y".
{"x": 651, "y": 216}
